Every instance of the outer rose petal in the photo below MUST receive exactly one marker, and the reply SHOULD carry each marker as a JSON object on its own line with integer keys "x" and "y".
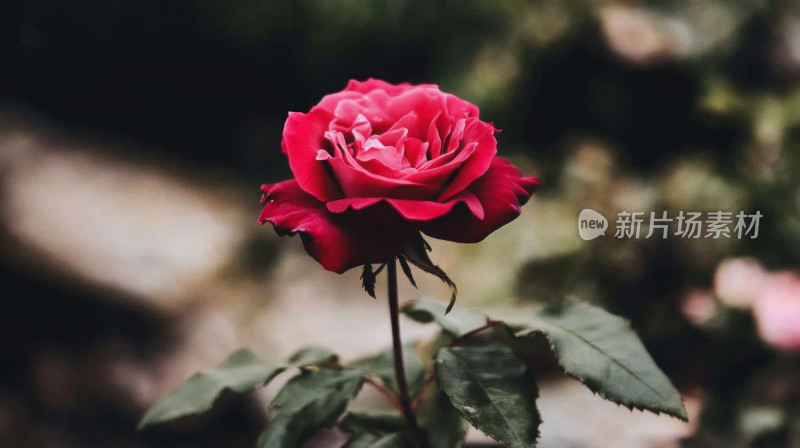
{"x": 335, "y": 241}
{"x": 376, "y": 84}
{"x": 303, "y": 137}
{"x": 456, "y": 107}
{"x": 501, "y": 192}
{"x": 459, "y": 108}
{"x": 477, "y": 165}
{"x": 330, "y": 101}
{"x": 411, "y": 210}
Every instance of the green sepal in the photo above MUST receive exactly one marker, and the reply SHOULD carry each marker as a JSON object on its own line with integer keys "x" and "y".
{"x": 368, "y": 280}
{"x": 415, "y": 250}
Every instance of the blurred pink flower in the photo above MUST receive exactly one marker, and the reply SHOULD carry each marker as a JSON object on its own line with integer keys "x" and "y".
{"x": 777, "y": 311}
{"x": 644, "y": 36}
{"x": 739, "y": 281}
{"x": 698, "y": 306}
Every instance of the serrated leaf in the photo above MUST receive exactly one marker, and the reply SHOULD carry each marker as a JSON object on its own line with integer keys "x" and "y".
{"x": 308, "y": 403}
{"x": 604, "y": 353}
{"x": 313, "y": 356}
{"x": 456, "y": 323}
{"x": 368, "y": 280}
{"x": 443, "y": 425}
{"x": 492, "y": 389}
{"x": 241, "y": 372}
{"x": 372, "y": 422}
{"x": 415, "y": 250}
{"x": 382, "y": 366}
{"x": 407, "y": 270}
{"x": 368, "y": 440}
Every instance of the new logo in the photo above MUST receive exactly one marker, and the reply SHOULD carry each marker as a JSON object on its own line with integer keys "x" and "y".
{"x": 591, "y": 224}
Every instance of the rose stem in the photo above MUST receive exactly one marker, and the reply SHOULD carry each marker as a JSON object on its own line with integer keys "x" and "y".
{"x": 397, "y": 346}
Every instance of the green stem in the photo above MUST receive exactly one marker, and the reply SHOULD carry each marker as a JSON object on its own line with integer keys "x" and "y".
{"x": 399, "y": 366}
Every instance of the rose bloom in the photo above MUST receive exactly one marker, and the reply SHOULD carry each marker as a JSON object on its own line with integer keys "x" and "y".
{"x": 376, "y": 161}
{"x": 777, "y": 311}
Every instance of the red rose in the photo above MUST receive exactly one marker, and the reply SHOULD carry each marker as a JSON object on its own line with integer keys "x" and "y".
{"x": 376, "y": 160}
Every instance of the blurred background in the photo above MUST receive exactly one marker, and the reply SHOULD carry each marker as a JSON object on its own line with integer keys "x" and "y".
{"x": 134, "y": 137}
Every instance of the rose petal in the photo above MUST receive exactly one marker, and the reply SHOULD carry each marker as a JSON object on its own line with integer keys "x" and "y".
{"x": 478, "y": 163}
{"x": 457, "y": 134}
{"x": 409, "y": 120}
{"x": 376, "y": 84}
{"x": 392, "y": 137}
{"x": 415, "y": 150}
{"x": 356, "y": 181}
{"x": 386, "y": 161}
{"x": 434, "y": 136}
{"x": 501, "y": 191}
{"x": 411, "y": 210}
{"x": 342, "y": 205}
{"x": 329, "y": 102}
{"x": 441, "y": 174}
{"x": 458, "y": 108}
{"x": 428, "y": 103}
{"x": 353, "y": 114}
{"x": 338, "y": 242}
{"x": 303, "y": 137}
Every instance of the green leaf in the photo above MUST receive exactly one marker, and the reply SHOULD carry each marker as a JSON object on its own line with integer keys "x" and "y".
{"x": 241, "y": 372}
{"x": 313, "y": 356}
{"x": 382, "y": 366}
{"x": 368, "y": 440}
{"x": 491, "y": 388}
{"x": 362, "y": 440}
{"x": 368, "y": 280}
{"x": 605, "y": 354}
{"x": 391, "y": 441}
{"x": 308, "y": 403}
{"x": 372, "y": 422}
{"x": 442, "y": 423}
{"x": 416, "y": 250}
{"x": 372, "y": 429}
{"x": 407, "y": 270}
{"x": 456, "y": 323}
